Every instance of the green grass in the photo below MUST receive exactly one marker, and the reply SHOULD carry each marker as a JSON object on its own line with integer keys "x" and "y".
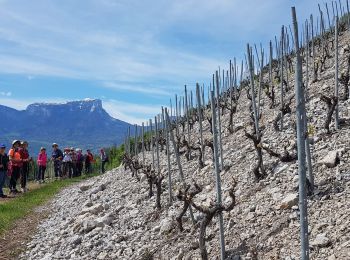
{"x": 17, "y": 208}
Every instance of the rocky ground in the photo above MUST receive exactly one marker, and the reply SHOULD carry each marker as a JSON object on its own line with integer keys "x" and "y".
{"x": 111, "y": 216}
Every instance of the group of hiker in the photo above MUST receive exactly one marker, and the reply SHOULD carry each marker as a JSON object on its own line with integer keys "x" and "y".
{"x": 67, "y": 164}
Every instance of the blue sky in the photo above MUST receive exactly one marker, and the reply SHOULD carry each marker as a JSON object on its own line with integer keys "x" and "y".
{"x": 134, "y": 55}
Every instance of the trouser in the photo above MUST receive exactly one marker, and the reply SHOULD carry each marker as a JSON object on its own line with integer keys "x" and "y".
{"x": 2, "y": 181}
{"x": 42, "y": 170}
{"x": 57, "y": 168}
{"x": 79, "y": 168}
{"x": 103, "y": 166}
{"x": 74, "y": 169}
{"x": 70, "y": 169}
{"x": 16, "y": 172}
{"x": 87, "y": 168}
{"x": 67, "y": 169}
{"x": 24, "y": 175}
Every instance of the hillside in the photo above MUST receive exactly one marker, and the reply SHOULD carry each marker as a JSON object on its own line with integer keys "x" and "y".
{"x": 112, "y": 217}
{"x": 78, "y": 123}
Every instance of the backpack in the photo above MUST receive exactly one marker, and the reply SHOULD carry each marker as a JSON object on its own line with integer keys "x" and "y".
{"x": 106, "y": 159}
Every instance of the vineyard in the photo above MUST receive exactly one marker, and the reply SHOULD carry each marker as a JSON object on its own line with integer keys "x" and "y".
{"x": 255, "y": 165}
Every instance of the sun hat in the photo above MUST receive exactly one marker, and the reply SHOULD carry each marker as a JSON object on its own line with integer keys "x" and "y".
{"x": 2, "y": 146}
{"x": 54, "y": 144}
{"x": 15, "y": 142}
{"x": 42, "y": 148}
{"x": 24, "y": 142}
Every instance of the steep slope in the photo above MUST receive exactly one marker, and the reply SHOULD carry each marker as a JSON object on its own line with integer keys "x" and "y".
{"x": 112, "y": 217}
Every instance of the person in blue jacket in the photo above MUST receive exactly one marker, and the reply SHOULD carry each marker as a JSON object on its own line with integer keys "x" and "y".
{"x": 3, "y": 168}
{"x": 57, "y": 157}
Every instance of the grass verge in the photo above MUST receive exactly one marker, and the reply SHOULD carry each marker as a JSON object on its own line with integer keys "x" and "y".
{"x": 18, "y": 207}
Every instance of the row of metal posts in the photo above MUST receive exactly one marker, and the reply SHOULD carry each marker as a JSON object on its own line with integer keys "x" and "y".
{"x": 187, "y": 105}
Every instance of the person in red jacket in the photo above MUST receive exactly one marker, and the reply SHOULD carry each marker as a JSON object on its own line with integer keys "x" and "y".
{"x": 80, "y": 161}
{"x": 23, "y": 150}
{"x": 89, "y": 160}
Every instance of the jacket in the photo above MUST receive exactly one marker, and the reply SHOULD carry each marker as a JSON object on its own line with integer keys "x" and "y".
{"x": 57, "y": 154}
{"x": 4, "y": 160}
{"x": 42, "y": 159}
{"x": 16, "y": 156}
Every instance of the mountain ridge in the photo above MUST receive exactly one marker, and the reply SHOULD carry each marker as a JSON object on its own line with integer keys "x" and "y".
{"x": 78, "y": 123}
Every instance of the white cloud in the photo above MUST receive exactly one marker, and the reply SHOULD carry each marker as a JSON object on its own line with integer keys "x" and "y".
{"x": 139, "y": 89}
{"x": 14, "y": 103}
{"x": 130, "y": 112}
{"x": 6, "y": 94}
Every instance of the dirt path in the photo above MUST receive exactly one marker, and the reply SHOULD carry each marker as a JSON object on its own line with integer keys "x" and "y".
{"x": 14, "y": 241}
{"x": 31, "y": 186}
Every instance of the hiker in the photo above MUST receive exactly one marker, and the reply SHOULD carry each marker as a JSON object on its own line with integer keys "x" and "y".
{"x": 3, "y": 169}
{"x": 67, "y": 163}
{"x": 89, "y": 159}
{"x": 15, "y": 166}
{"x": 74, "y": 162}
{"x": 80, "y": 161}
{"x": 42, "y": 160}
{"x": 104, "y": 159}
{"x": 23, "y": 150}
{"x": 57, "y": 157}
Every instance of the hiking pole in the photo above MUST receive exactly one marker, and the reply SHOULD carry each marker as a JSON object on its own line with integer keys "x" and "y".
{"x": 167, "y": 129}
{"x": 300, "y": 112}
{"x": 176, "y": 151}
{"x": 218, "y": 179}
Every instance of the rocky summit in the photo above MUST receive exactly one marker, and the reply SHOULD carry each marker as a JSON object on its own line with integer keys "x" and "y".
{"x": 81, "y": 123}
{"x": 113, "y": 217}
